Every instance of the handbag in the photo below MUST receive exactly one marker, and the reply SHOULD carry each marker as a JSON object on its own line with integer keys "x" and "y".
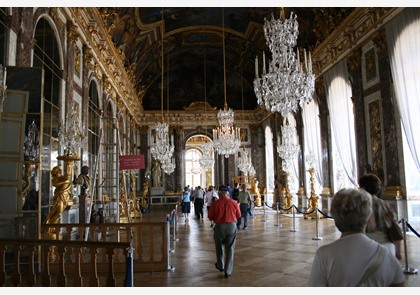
{"x": 394, "y": 232}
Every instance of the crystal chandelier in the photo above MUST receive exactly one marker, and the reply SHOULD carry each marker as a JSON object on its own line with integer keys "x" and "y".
{"x": 206, "y": 161}
{"x": 31, "y": 143}
{"x": 226, "y": 137}
{"x": 245, "y": 163}
{"x": 162, "y": 147}
{"x": 286, "y": 84}
{"x": 168, "y": 165}
{"x": 288, "y": 149}
{"x": 72, "y": 136}
{"x": 195, "y": 168}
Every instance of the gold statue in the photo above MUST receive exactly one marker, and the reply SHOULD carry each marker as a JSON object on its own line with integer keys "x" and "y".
{"x": 145, "y": 191}
{"x": 257, "y": 192}
{"x": 62, "y": 192}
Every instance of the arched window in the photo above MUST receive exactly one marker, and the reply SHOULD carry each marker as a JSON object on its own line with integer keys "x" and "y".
{"x": 47, "y": 57}
{"x": 94, "y": 117}
{"x": 338, "y": 90}
{"x": 269, "y": 164}
{"x": 193, "y": 171}
{"x": 404, "y": 49}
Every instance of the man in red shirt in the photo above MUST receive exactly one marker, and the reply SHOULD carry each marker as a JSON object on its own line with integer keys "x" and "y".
{"x": 224, "y": 213}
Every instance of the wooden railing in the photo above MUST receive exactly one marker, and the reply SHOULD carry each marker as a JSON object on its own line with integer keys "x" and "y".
{"x": 149, "y": 240}
{"x": 62, "y": 263}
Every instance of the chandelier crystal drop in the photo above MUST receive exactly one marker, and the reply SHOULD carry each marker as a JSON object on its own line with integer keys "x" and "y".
{"x": 288, "y": 149}
{"x": 286, "y": 84}
{"x": 162, "y": 148}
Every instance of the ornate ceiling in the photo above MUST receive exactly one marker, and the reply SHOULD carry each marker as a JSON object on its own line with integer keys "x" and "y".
{"x": 193, "y": 50}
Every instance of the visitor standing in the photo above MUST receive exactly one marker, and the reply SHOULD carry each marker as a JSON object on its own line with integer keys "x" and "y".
{"x": 186, "y": 203}
{"x": 383, "y": 215}
{"x": 354, "y": 259}
{"x": 244, "y": 199}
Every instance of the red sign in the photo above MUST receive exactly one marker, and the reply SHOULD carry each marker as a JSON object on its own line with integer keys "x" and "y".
{"x": 131, "y": 162}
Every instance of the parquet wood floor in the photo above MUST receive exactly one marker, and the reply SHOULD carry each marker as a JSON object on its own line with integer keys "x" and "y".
{"x": 276, "y": 250}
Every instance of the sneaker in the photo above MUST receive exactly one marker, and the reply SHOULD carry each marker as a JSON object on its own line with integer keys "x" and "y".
{"x": 245, "y": 228}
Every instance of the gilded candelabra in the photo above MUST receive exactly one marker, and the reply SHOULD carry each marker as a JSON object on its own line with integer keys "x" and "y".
{"x": 134, "y": 203}
{"x": 145, "y": 192}
{"x": 313, "y": 198}
{"x": 63, "y": 191}
{"x": 287, "y": 196}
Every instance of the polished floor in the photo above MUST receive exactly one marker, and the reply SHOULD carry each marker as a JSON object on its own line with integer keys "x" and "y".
{"x": 276, "y": 250}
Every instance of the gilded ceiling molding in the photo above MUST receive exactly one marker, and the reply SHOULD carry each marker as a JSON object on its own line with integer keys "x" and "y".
{"x": 355, "y": 29}
{"x": 54, "y": 15}
{"x": 204, "y": 119}
{"x": 108, "y": 62}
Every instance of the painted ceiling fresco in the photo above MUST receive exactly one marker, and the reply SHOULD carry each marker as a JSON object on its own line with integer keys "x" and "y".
{"x": 193, "y": 63}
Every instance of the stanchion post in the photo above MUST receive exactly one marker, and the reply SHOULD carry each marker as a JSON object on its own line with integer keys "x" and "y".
{"x": 406, "y": 269}
{"x": 174, "y": 225}
{"x": 129, "y": 279}
{"x": 264, "y": 216}
{"x": 278, "y": 215}
{"x": 294, "y": 216}
{"x": 316, "y": 219}
{"x": 168, "y": 242}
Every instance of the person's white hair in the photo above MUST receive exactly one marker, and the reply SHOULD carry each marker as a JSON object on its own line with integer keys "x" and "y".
{"x": 351, "y": 209}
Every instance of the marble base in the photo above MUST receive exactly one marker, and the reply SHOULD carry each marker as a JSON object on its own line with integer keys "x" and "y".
{"x": 157, "y": 191}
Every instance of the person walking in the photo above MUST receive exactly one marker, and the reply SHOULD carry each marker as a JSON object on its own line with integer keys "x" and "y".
{"x": 199, "y": 202}
{"x": 210, "y": 197}
{"x": 382, "y": 217}
{"x": 244, "y": 199}
{"x": 186, "y": 203}
{"x": 235, "y": 191}
{"x": 354, "y": 259}
{"x": 224, "y": 213}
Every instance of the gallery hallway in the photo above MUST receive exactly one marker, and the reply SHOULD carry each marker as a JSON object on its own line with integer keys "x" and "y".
{"x": 276, "y": 250}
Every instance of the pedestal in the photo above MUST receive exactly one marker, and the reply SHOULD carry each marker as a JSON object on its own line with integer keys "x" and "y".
{"x": 157, "y": 191}
{"x": 84, "y": 203}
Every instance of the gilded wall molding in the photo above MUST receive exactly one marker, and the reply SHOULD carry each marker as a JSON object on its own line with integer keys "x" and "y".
{"x": 106, "y": 60}
{"x": 359, "y": 26}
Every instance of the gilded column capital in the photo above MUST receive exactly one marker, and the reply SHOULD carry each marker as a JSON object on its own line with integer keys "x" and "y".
{"x": 379, "y": 40}
{"x": 354, "y": 59}
{"x": 72, "y": 33}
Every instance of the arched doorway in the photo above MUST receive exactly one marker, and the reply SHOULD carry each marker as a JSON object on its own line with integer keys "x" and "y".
{"x": 195, "y": 175}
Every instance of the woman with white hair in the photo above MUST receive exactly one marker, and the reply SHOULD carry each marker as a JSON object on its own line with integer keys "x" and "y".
{"x": 354, "y": 259}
